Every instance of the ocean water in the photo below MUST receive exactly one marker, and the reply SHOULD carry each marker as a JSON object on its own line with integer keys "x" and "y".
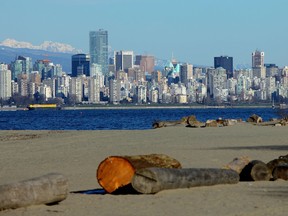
{"x": 118, "y": 119}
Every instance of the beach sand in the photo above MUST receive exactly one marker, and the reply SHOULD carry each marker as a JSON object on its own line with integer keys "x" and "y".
{"x": 77, "y": 154}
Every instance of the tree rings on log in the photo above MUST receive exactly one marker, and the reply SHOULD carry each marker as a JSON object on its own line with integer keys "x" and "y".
{"x": 255, "y": 171}
{"x": 117, "y": 171}
{"x": 153, "y": 180}
{"x": 47, "y": 189}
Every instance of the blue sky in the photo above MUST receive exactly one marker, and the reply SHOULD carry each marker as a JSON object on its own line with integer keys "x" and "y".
{"x": 193, "y": 30}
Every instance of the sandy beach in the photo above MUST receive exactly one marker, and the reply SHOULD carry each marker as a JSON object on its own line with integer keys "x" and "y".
{"x": 77, "y": 154}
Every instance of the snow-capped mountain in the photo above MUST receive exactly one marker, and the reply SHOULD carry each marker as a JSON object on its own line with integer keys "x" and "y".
{"x": 46, "y": 45}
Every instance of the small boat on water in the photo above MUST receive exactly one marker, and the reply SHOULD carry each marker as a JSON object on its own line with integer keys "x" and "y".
{"x": 43, "y": 106}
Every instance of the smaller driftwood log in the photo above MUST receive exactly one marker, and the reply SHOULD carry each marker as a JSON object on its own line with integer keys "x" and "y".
{"x": 153, "y": 180}
{"x": 116, "y": 172}
{"x": 238, "y": 164}
{"x": 255, "y": 170}
{"x": 160, "y": 124}
{"x": 47, "y": 189}
{"x": 280, "y": 172}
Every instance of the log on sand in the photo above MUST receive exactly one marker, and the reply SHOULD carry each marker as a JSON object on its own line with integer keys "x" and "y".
{"x": 255, "y": 171}
{"x": 238, "y": 164}
{"x": 117, "y": 171}
{"x": 48, "y": 189}
{"x": 153, "y": 180}
{"x": 160, "y": 124}
{"x": 280, "y": 172}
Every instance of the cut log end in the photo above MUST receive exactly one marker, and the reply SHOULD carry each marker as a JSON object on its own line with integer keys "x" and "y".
{"x": 255, "y": 171}
{"x": 114, "y": 172}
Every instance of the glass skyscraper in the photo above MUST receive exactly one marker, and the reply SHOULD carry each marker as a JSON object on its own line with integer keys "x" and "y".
{"x": 98, "y": 44}
{"x": 80, "y": 65}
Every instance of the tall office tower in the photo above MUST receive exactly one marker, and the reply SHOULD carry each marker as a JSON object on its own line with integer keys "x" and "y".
{"x": 98, "y": 45}
{"x": 123, "y": 60}
{"x": 80, "y": 65}
{"x": 45, "y": 68}
{"x": 16, "y": 68}
{"x": 58, "y": 71}
{"x": 186, "y": 73}
{"x": 22, "y": 81}
{"x": 34, "y": 82}
{"x": 94, "y": 89}
{"x": 259, "y": 70}
{"x": 5, "y": 82}
{"x": 75, "y": 89}
{"x": 225, "y": 62}
{"x": 146, "y": 62}
{"x": 257, "y": 59}
{"x": 217, "y": 79}
{"x": 26, "y": 64}
{"x": 114, "y": 91}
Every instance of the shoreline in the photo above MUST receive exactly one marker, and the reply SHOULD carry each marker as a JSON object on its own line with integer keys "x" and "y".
{"x": 163, "y": 107}
{"x": 114, "y": 107}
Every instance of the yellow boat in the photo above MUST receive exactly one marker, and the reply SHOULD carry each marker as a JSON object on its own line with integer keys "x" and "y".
{"x": 43, "y": 106}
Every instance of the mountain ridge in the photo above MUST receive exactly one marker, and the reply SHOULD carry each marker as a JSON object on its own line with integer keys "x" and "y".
{"x": 46, "y": 46}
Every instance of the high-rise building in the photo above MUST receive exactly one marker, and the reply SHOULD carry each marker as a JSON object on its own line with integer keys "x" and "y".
{"x": 259, "y": 70}
{"x": 217, "y": 79}
{"x": 76, "y": 89}
{"x": 146, "y": 62}
{"x": 98, "y": 45}
{"x": 22, "y": 81}
{"x": 123, "y": 60}
{"x": 225, "y": 62}
{"x": 186, "y": 73}
{"x": 5, "y": 82}
{"x": 114, "y": 91}
{"x": 80, "y": 65}
{"x": 257, "y": 59}
{"x": 271, "y": 70}
{"x": 94, "y": 89}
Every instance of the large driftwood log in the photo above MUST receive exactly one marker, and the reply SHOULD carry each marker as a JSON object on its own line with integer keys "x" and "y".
{"x": 117, "y": 171}
{"x": 47, "y": 189}
{"x": 153, "y": 180}
{"x": 255, "y": 171}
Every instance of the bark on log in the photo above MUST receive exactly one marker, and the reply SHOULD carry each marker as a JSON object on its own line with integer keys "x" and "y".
{"x": 117, "y": 171}
{"x": 282, "y": 160}
{"x": 255, "y": 119}
{"x": 47, "y": 189}
{"x": 281, "y": 172}
{"x": 238, "y": 164}
{"x": 255, "y": 171}
{"x": 153, "y": 180}
{"x": 193, "y": 122}
{"x": 160, "y": 124}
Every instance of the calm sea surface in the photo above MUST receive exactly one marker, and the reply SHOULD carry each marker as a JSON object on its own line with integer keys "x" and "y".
{"x": 117, "y": 119}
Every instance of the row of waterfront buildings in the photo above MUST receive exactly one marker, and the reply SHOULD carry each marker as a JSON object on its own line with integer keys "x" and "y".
{"x": 97, "y": 78}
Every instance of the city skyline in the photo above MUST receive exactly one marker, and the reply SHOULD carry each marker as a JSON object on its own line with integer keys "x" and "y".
{"x": 193, "y": 31}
